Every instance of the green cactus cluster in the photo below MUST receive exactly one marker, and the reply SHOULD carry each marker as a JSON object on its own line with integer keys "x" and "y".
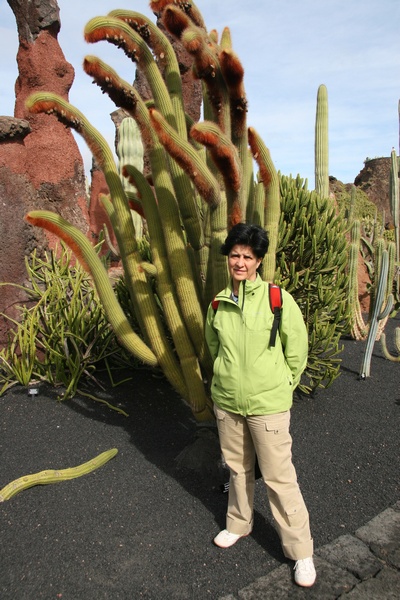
{"x": 202, "y": 182}
{"x": 312, "y": 265}
{"x": 380, "y": 255}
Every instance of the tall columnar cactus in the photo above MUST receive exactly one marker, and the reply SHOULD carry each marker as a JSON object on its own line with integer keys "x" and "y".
{"x": 395, "y": 210}
{"x": 202, "y": 182}
{"x": 359, "y": 329}
{"x": 130, "y": 152}
{"x": 322, "y": 144}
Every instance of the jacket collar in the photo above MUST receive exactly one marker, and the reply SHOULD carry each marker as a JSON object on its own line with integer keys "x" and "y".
{"x": 246, "y": 287}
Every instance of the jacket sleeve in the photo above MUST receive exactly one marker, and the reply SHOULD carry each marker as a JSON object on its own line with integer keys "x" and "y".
{"x": 294, "y": 337}
{"x": 211, "y": 335}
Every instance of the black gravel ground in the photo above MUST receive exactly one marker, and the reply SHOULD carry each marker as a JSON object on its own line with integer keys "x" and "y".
{"x": 139, "y": 527}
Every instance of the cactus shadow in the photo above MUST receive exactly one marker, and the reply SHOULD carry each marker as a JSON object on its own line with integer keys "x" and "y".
{"x": 161, "y": 427}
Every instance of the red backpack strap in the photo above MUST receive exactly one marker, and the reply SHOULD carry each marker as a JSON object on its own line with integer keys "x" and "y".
{"x": 275, "y": 302}
{"x": 215, "y": 304}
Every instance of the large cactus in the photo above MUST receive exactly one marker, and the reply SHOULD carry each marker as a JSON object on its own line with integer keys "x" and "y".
{"x": 201, "y": 185}
{"x": 202, "y": 182}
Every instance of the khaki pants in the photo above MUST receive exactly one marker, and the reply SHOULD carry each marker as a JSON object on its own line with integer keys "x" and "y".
{"x": 268, "y": 436}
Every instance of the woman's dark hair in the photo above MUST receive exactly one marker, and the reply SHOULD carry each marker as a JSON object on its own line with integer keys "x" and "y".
{"x": 247, "y": 235}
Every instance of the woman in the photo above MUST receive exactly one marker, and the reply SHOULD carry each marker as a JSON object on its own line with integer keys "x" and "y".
{"x": 252, "y": 390}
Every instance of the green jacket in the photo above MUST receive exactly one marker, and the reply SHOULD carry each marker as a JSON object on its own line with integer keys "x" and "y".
{"x": 250, "y": 378}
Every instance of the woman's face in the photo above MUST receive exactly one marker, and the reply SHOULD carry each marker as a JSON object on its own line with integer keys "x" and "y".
{"x": 242, "y": 264}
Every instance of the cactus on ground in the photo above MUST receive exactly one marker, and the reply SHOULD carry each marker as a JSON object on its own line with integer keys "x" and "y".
{"x": 55, "y": 476}
{"x": 202, "y": 182}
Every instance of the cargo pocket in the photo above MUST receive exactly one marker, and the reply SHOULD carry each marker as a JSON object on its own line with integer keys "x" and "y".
{"x": 294, "y": 515}
{"x": 278, "y": 423}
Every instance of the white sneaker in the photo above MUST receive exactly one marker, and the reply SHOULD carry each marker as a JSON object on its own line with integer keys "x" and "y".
{"x": 304, "y": 572}
{"x": 225, "y": 539}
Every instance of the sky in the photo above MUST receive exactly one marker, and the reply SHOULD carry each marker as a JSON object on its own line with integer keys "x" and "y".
{"x": 288, "y": 49}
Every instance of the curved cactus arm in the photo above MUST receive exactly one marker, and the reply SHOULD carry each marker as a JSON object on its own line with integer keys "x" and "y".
{"x": 139, "y": 288}
{"x": 166, "y": 57}
{"x": 388, "y": 298}
{"x": 122, "y": 93}
{"x": 225, "y": 157}
{"x": 152, "y": 326}
{"x": 233, "y": 73}
{"x": 181, "y": 267}
{"x": 189, "y": 8}
{"x": 206, "y": 62}
{"x": 72, "y": 117}
{"x": 270, "y": 179}
{"x": 322, "y": 144}
{"x": 222, "y": 150}
{"x": 87, "y": 256}
{"x": 196, "y": 396}
{"x": 53, "y": 476}
{"x": 385, "y": 349}
{"x": 48, "y": 102}
{"x": 119, "y": 33}
{"x": 125, "y": 96}
{"x": 188, "y": 158}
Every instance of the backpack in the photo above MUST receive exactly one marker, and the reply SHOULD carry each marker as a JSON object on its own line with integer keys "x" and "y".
{"x": 275, "y": 302}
